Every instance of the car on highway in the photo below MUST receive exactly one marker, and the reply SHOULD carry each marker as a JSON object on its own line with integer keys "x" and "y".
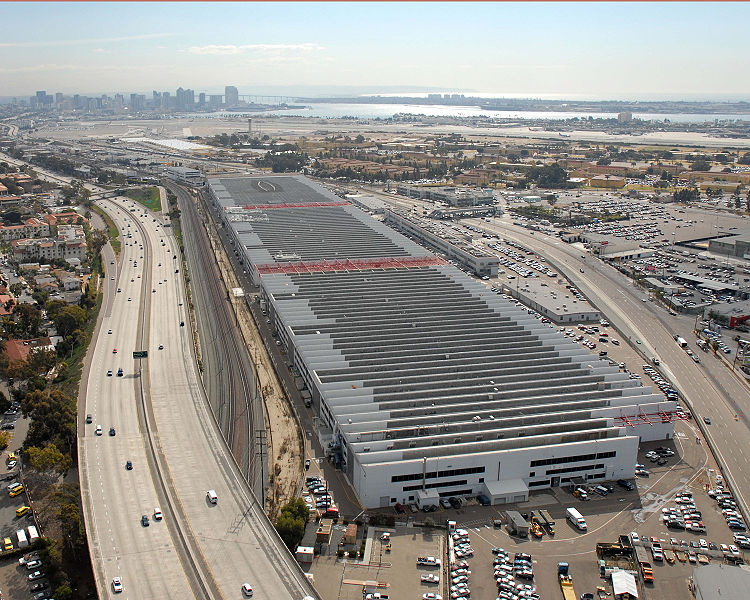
{"x": 98, "y": 430}
{"x": 144, "y": 521}
{"x": 707, "y": 420}
{"x": 212, "y": 497}
{"x": 161, "y": 346}
{"x": 116, "y": 585}
{"x": 114, "y": 350}
{"x": 109, "y": 372}
{"x": 157, "y": 514}
{"x": 112, "y": 431}
{"x": 119, "y": 372}
{"x": 129, "y": 465}
{"x": 247, "y": 590}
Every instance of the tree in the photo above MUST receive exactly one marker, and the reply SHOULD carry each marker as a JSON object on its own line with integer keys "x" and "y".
{"x": 700, "y": 165}
{"x": 69, "y": 319}
{"x": 290, "y": 530}
{"x": 29, "y": 318}
{"x": 53, "y": 419}
{"x": 686, "y": 195}
{"x": 48, "y": 458}
{"x": 291, "y": 522}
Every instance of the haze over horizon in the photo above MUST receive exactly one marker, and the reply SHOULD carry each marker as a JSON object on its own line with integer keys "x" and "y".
{"x": 556, "y": 50}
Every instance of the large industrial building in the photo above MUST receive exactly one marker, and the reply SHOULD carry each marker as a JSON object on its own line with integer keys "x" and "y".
{"x": 424, "y": 383}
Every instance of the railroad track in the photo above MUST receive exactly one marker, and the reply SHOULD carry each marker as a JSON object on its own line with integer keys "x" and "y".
{"x": 230, "y": 381}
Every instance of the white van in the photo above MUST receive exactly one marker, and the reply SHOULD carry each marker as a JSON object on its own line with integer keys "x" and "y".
{"x": 33, "y": 535}
{"x": 212, "y": 497}
{"x": 22, "y": 541}
{"x": 576, "y": 519}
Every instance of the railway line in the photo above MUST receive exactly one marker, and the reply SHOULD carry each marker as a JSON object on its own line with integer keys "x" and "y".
{"x": 229, "y": 377}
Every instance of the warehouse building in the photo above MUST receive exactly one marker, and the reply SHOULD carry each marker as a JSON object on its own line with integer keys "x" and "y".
{"x": 422, "y": 380}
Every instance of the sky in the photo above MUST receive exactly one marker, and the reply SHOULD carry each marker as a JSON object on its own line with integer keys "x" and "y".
{"x": 571, "y": 50}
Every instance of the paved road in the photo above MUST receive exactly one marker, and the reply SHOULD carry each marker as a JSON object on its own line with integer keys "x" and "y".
{"x": 231, "y": 542}
{"x": 711, "y": 391}
{"x": 113, "y": 498}
{"x": 229, "y": 377}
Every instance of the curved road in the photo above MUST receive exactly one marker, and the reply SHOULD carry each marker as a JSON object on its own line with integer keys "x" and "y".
{"x": 709, "y": 392}
{"x": 165, "y": 428}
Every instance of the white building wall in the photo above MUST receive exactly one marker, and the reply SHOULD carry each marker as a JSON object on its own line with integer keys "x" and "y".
{"x": 373, "y": 481}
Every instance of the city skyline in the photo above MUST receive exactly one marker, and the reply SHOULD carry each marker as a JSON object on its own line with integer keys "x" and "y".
{"x": 563, "y": 49}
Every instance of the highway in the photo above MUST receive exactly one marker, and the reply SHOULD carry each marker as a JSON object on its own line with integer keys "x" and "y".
{"x": 164, "y": 427}
{"x": 114, "y": 499}
{"x": 712, "y": 392}
{"x": 229, "y": 376}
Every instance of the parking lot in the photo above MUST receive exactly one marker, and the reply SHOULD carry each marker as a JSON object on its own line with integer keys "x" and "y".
{"x": 396, "y": 570}
{"x": 640, "y": 514}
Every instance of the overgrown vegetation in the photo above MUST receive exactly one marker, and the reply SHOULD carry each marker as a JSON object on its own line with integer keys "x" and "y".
{"x": 148, "y": 196}
{"x": 112, "y": 231}
{"x": 283, "y": 163}
{"x": 291, "y": 522}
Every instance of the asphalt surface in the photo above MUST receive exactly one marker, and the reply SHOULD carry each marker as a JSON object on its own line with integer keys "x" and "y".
{"x": 229, "y": 378}
{"x": 164, "y": 427}
{"x": 709, "y": 389}
{"x": 114, "y": 498}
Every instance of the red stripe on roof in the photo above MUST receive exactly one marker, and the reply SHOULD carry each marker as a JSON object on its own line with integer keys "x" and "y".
{"x": 360, "y": 264}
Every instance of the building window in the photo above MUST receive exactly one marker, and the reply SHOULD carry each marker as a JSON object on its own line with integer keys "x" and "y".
{"x": 481, "y": 480}
{"x": 434, "y": 474}
{"x": 532, "y": 474}
{"x": 393, "y": 499}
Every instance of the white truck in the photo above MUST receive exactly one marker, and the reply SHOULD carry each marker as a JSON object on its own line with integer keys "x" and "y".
{"x": 33, "y": 534}
{"x": 576, "y": 519}
{"x": 22, "y": 541}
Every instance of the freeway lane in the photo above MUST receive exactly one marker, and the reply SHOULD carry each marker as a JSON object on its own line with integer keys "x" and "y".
{"x": 719, "y": 395}
{"x": 234, "y": 540}
{"x": 228, "y": 375}
{"x": 114, "y": 498}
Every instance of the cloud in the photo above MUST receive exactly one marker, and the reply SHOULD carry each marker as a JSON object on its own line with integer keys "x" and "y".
{"x": 55, "y": 68}
{"x": 214, "y": 49}
{"x": 110, "y": 40}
